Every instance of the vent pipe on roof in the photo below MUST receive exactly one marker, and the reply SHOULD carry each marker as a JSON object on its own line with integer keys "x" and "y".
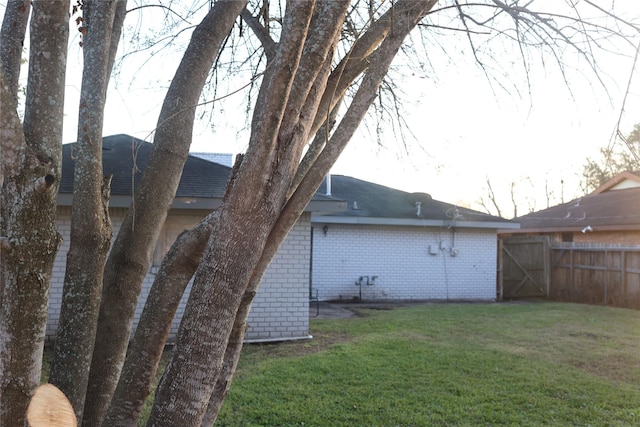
{"x": 418, "y": 208}
{"x": 328, "y": 193}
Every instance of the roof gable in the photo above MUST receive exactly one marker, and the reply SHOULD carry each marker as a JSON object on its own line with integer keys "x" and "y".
{"x": 627, "y": 179}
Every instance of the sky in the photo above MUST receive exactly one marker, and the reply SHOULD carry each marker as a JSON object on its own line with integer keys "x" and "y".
{"x": 466, "y": 129}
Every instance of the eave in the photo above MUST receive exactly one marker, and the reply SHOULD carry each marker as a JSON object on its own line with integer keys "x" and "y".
{"x": 572, "y": 229}
{"x": 333, "y": 219}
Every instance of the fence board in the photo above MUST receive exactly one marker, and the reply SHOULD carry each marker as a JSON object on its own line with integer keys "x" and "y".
{"x": 596, "y": 274}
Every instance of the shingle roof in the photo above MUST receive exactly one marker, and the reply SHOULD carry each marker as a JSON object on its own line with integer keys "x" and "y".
{"x": 366, "y": 199}
{"x": 126, "y": 157}
{"x": 610, "y": 210}
{"x": 202, "y": 184}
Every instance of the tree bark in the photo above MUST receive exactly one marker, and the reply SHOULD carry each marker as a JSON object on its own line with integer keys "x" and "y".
{"x": 28, "y": 239}
{"x": 131, "y": 254}
{"x": 12, "y": 33}
{"x": 90, "y": 224}
{"x": 142, "y": 362}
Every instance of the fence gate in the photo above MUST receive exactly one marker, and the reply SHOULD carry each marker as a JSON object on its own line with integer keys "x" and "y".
{"x": 523, "y": 267}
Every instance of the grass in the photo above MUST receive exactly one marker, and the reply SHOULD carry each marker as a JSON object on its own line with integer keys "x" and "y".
{"x": 524, "y": 364}
{"x": 508, "y": 364}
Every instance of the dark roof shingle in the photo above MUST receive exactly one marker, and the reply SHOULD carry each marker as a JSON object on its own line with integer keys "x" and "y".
{"x": 611, "y": 209}
{"x": 366, "y": 199}
{"x": 125, "y": 157}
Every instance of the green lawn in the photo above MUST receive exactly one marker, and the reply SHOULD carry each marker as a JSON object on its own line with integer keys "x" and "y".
{"x": 448, "y": 364}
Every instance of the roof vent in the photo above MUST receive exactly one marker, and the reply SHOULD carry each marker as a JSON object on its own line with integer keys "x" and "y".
{"x": 419, "y": 200}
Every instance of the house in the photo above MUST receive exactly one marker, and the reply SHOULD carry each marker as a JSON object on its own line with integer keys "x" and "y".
{"x": 390, "y": 244}
{"x": 355, "y": 240}
{"x": 280, "y": 310}
{"x": 586, "y": 250}
{"x": 608, "y": 215}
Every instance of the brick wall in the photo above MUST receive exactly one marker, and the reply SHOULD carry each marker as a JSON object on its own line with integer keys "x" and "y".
{"x": 63, "y": 224}
{"x": 409, "y": 262}
{"x": 627, "y": 237}
{"x": 280, "y": 309}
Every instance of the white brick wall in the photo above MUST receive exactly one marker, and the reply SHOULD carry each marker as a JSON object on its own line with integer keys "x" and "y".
{"x": 281, "y": 306}
{"x": 280, "y": 309}
{"x": 400, "y": 258}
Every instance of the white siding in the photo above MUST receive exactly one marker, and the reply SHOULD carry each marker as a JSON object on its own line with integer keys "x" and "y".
{"x": 280, "y": 309}
{"x": 409, "y": 262}
{"x": 63, "y": 224}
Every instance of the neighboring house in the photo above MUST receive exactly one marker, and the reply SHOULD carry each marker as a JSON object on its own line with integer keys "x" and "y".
{"x": 586, "y": 250}
{"x": 390, "y": 244}
{"x": 608, "y": 215}
{"x": 280, "y": 310}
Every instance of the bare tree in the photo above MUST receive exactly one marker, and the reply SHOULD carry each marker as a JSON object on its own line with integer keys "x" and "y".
{"x": 521, "y": 195}
{"x": 492, "y": 203}
{"x": 323, "y": 66}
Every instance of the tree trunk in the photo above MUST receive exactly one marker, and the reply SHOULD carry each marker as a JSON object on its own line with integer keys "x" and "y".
{"x": 131, "y": 254}
{"x": 142, "y": 362}
{"x": 31, "y": 176}
{"x": 251, "y": 207}
{"x": 90, "y": 224}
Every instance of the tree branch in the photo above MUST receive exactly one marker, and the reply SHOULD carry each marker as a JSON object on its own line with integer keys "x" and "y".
{"x": 13, "y": 144}
{"x": 12, "y": 34}
{"x": 261, "y": 32}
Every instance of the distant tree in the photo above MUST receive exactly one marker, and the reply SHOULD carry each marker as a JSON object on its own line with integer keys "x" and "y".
{"x": 490, "y": 203}
{"x": 614, "y": 158}
{"x": 521, "y": 195}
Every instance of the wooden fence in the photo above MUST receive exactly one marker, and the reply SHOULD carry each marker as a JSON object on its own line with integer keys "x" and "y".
{"x": 596, "y": 274}
{"x": 571, "y": 272}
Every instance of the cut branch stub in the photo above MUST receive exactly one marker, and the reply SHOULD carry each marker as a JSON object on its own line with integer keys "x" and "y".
{"x": 49, "y": 407}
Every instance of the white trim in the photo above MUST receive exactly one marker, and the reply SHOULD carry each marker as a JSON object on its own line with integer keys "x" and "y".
{"x": 411, "y": 222}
